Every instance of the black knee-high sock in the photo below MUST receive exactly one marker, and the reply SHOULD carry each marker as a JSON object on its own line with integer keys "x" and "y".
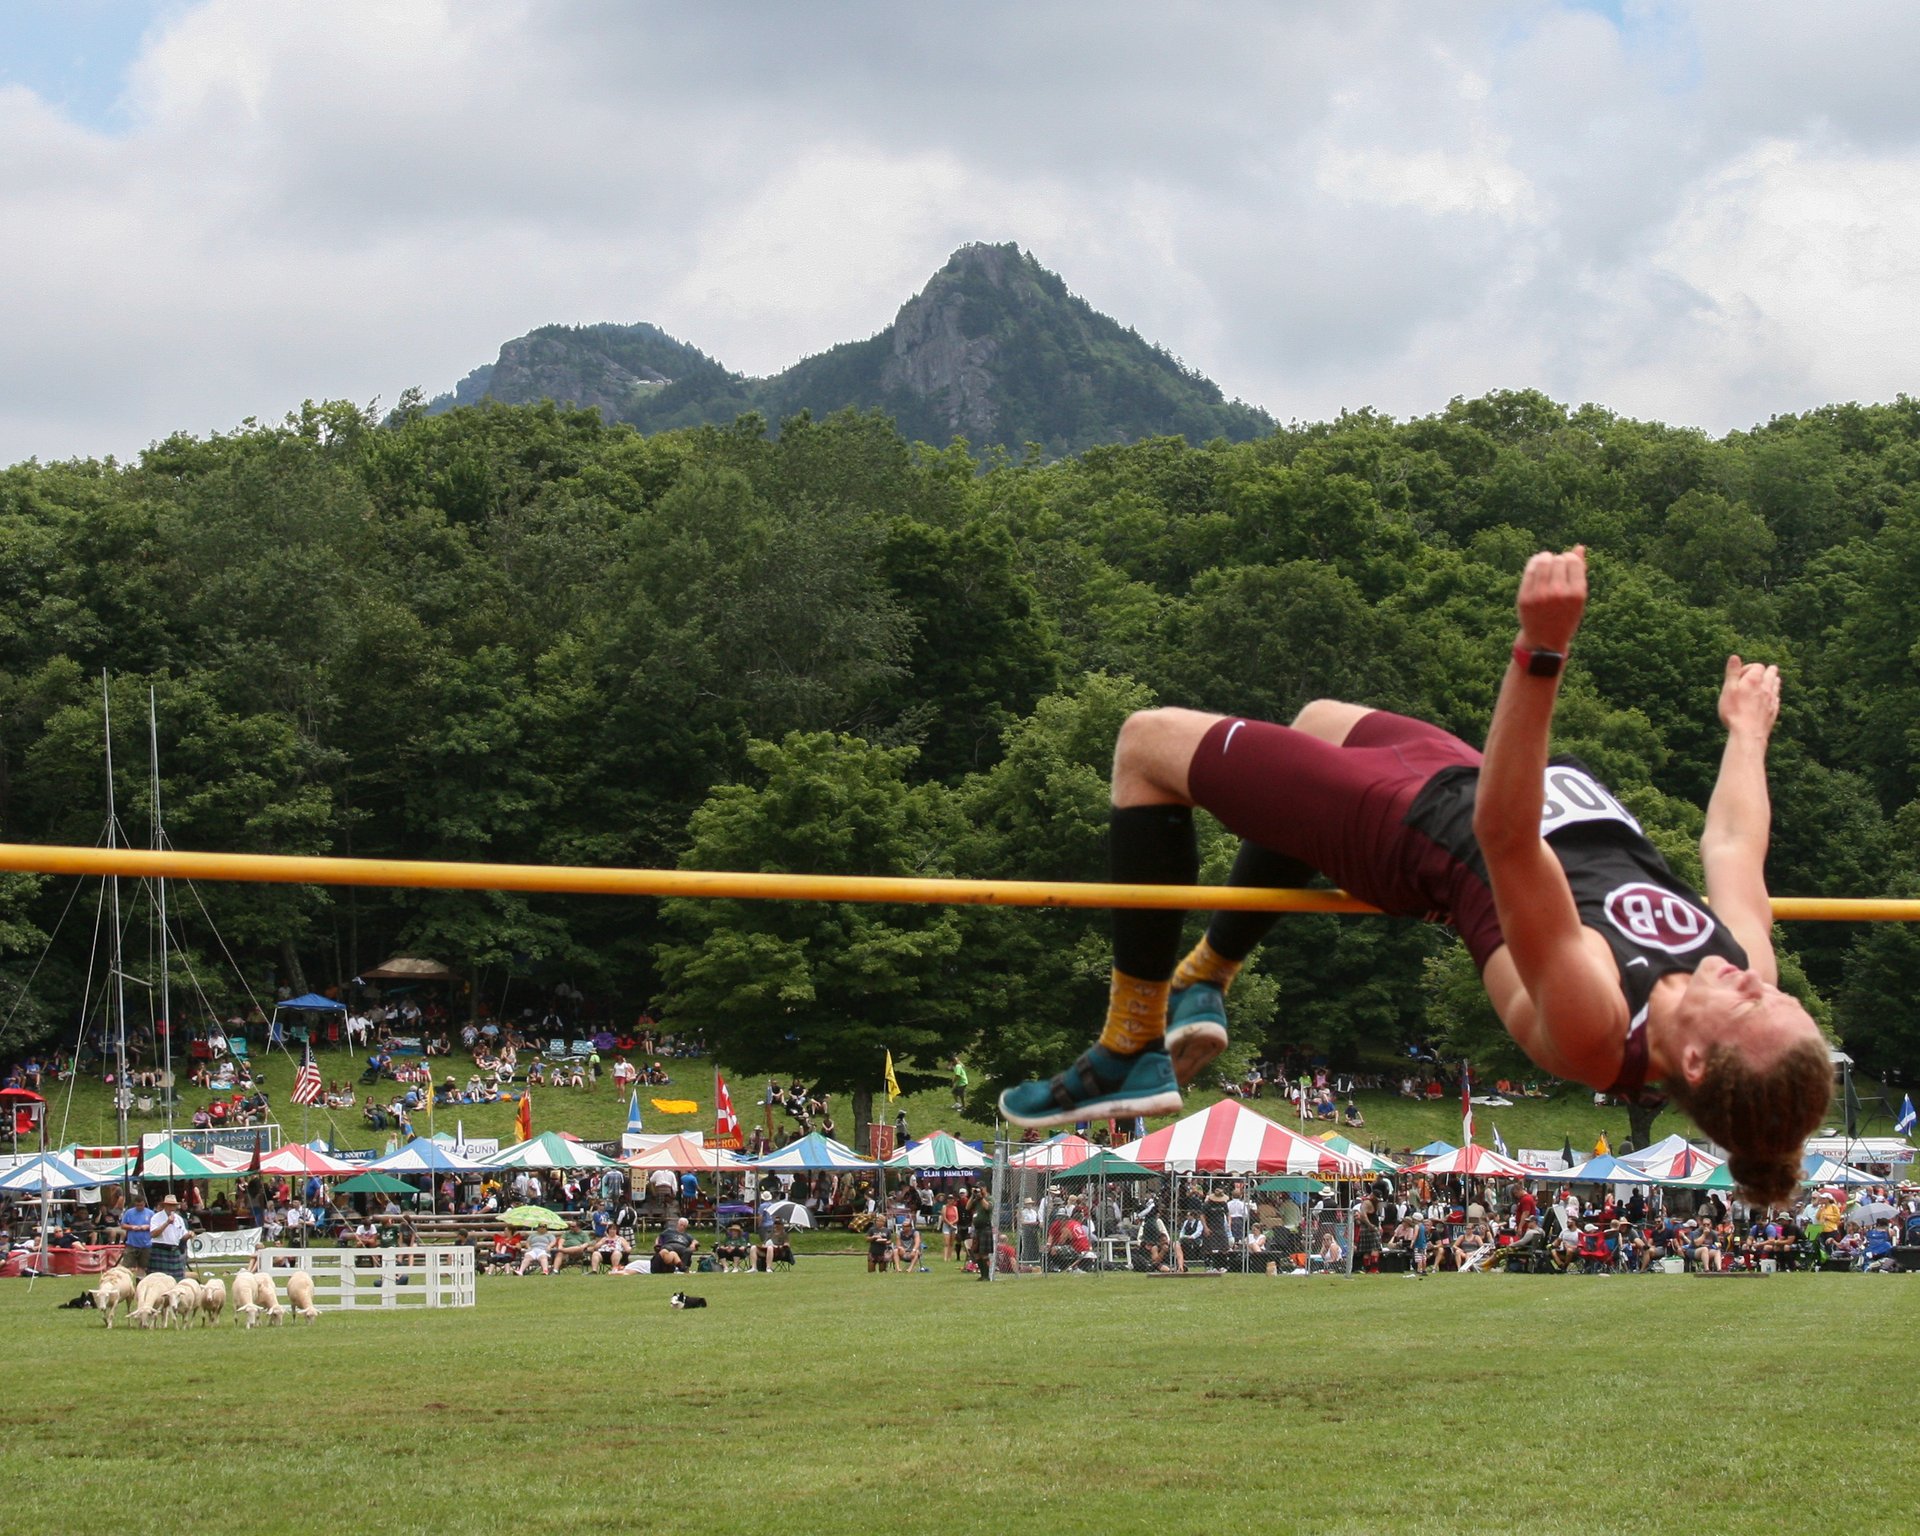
{"x": 1235, "y": 934}
{"x": 1150, "y": 845}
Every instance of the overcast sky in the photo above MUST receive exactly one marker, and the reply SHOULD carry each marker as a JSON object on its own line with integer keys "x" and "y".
{"x": 213, "y": 209}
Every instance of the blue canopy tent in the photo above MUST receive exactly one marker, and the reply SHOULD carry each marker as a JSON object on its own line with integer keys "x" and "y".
{"x": 1435, "y": 1149}
{"x": 307, "y": 1002}
{"x": 1605, "y": 1170}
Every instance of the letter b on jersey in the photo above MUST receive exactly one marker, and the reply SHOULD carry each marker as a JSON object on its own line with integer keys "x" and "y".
{"x": 1657, "y": 919}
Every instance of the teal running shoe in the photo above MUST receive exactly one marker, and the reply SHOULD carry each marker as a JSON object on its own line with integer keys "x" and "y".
{"x": 1100, "y": 1084}
{"x": 1196, "y": 1029}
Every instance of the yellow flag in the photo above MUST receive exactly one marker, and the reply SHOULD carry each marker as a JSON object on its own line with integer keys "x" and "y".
{"x": 893, "y": 1083}
{"x": 1600, "y": 1147}
{"x": 676, "y": 1106}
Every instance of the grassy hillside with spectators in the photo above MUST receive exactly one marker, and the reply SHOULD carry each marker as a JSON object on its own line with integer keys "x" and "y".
{"x": 86, "y": 1115}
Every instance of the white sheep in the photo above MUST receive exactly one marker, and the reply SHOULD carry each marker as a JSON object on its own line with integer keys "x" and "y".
{"x": 300, "y": 1295}
{"x": 245, "y": 1312}
{"x": 184, "y": 1303}
{"x": 117, "y": 1287}
{"x": 150, "y": 1300}
{"x": 213, "y": 1298}
{"x": 265, "y": 1298}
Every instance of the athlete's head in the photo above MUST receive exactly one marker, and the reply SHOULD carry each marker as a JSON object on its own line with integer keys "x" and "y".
{"x": 1753, "y": 1071}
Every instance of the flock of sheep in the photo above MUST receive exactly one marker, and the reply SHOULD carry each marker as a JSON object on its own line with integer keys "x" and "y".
{"x": 157, "y": 1300}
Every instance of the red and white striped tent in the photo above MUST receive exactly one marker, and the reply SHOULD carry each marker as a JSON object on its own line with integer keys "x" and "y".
{"x": 1477, "y": 1162}
{"x": 1230, "y": 1138}
{"x": 1067, "y": 1150}
{"x": 1683, "y": 1163}
{"x": 292, "y": 1157}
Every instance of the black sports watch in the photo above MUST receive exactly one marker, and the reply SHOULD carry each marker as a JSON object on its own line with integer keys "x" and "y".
{"x": 1539, "y": 663}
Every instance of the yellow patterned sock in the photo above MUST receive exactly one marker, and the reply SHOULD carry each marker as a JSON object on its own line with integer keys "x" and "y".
{"x": 1136, "y": 1015}
{"x": 1206, "y": 965}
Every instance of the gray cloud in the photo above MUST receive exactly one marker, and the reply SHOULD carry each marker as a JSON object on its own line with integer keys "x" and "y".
{"x": 1699, "y": 215}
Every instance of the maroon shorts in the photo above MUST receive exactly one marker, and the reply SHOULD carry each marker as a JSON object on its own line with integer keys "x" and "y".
{"x": 1343, "y": 810}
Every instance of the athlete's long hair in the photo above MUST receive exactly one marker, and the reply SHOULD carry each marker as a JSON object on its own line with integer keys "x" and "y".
{"x": 1762, "y": 1116}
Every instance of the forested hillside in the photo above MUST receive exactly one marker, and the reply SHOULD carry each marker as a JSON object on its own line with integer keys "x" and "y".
{"x": 521, "y": 634}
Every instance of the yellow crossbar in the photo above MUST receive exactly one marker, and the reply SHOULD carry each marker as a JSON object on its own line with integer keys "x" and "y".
{"x": 285, "y": 869}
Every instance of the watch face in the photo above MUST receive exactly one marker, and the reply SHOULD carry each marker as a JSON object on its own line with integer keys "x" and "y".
{"x": 1544, "y": 663}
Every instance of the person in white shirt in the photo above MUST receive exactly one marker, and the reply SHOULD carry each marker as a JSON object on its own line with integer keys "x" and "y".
{"x": 168, "y": 1255}
{"x": 1237, "y": 1213}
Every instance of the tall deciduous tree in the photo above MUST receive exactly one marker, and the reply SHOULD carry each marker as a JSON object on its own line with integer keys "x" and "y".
{"x": 820, "y": 989}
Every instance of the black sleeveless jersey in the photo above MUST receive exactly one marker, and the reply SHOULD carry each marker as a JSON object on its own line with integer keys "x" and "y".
{"x": 1652, "y": 920}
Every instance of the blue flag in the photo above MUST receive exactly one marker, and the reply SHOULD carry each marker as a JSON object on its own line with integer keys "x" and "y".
{"x": 633, "y": 1114}
{"x": 1499, "y": 1143}
{"x": 1907, "y": 1117}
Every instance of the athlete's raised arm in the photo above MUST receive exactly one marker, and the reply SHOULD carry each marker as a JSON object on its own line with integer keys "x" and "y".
{"x": 1733, "y": 846}
{"x": 1573, "y": 1017}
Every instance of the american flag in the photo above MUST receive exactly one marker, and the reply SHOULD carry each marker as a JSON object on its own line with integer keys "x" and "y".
{"x": 306, "y": 1083}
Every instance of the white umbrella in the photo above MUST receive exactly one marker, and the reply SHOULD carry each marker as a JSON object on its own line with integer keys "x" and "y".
{"x": 792, "y": 1212}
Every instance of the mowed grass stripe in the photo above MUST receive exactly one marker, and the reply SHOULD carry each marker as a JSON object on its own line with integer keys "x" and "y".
{"x": 827, "y": 1400}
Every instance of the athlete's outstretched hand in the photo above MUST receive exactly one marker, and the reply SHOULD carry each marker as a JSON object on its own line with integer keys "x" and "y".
{"x": 1750, "y": 698}
{"x": 1553, "y": 597}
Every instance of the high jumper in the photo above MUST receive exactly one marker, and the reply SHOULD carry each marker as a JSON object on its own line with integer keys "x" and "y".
{"x": 1604, "y": 966}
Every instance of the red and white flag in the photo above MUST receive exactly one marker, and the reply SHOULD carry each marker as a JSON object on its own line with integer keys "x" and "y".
{"x": 306, "y": 1083}
{"x": 1466, "y": 1105}
{"x": 726, "y": 1124}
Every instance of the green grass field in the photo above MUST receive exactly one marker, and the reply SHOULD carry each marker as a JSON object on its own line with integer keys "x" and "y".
{"x": 86, "y": 1116}
{"x": 827, "y": 1400}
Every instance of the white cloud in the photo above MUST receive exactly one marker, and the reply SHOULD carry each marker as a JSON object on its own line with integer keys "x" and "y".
{"x": 1702, "y": 214}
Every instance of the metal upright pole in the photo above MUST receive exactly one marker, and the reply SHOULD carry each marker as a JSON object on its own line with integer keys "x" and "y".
{"x": 120, "y": 1099}
{"x": 160, "y": 889}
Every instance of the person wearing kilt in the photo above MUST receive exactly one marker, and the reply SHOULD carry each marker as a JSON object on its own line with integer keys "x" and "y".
{"x": 169, "y": 1254}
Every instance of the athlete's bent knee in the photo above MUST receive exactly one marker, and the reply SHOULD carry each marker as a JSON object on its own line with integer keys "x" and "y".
{"x": 1329, "y": 719}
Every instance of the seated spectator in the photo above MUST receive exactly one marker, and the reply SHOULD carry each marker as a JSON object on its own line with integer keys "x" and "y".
{"x": 1876, "y": 1251}
{"x": 1352, "y": 1116}
{"x": 906, "y": 1248}
{"x": 366, "y": 1235}
{"x": 499, "y": 1258}
{"x": 733, "y": 1251}
{"x": 777, "y": 1248}
{"x": 674, "y": 1248}
{"x": 539, "y": 1251}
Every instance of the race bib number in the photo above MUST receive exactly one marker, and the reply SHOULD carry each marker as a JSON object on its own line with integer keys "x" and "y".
{"x": 1573, "y": 797}
{"x": 1657, "y": 919}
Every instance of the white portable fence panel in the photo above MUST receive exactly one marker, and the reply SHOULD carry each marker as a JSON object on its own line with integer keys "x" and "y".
{"x": 354, "y": 1279}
